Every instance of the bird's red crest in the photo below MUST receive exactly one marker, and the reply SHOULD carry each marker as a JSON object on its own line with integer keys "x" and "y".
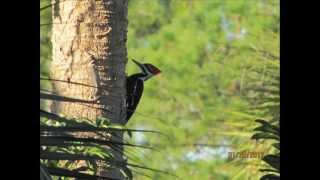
{"x": 154, "y": 70}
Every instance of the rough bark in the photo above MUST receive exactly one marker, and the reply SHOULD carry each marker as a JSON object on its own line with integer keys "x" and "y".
{"x": 88, "y": 39}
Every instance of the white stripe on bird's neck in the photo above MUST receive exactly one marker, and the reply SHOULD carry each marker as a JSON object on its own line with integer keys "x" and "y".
{"x": 147, "y": 75}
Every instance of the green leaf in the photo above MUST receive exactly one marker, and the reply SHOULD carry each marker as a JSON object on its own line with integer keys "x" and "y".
{"x": 276, "y": 145}
{"x": 258, "y": 136}
{"x": 129, "y": 133}
{"x": 269, "y": 170}
{"x": 270, "y": 177}
{"x": 44, "y": 174}
{"x": 68, "y": 173}
{"x": 272, "y": 160}
{"x": 127, "y": 172}
{"x": 269, "y": 127}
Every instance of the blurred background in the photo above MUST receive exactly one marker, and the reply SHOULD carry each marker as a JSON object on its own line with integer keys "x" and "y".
{"x": 218, "y": 59}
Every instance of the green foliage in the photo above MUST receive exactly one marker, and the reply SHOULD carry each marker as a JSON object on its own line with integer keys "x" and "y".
{"x": 61, "y": 147}
{"x": 269, "y": 131}
{"x": 64, "y": 142}
{"x": 214, "y": 55}
{"x": 265, "y": 96}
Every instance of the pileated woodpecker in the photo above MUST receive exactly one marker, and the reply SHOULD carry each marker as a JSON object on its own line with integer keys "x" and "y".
{"x": 135, "y": 85}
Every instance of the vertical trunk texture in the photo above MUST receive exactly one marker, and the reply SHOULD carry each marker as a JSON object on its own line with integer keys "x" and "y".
{"x": 88, "y": 39}
{"x": 89, "y": 55}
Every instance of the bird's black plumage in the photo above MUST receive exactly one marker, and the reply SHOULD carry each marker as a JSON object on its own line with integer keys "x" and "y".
{"x": 134, "y": 93}
{"x": 135, "y": 85}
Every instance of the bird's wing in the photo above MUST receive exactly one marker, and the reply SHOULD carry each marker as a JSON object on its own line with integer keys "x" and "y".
{"x": 134, "y": 93}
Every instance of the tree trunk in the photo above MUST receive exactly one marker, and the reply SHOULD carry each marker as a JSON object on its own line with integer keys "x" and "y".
{"x": 89, "y": 55}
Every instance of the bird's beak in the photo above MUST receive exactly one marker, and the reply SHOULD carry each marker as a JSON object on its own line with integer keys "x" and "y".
{"x": 137, "y": 63}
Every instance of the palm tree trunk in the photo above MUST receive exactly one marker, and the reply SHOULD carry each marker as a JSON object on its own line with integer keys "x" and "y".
{"x": 90, "y": 55}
